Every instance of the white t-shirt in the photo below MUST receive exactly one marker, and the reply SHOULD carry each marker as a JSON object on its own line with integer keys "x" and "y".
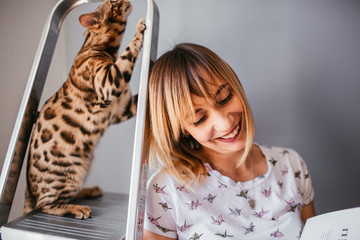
{"x": 267, "y": 207}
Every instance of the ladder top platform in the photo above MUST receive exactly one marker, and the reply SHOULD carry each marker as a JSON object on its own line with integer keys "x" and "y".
{"x": 108, "y": 221}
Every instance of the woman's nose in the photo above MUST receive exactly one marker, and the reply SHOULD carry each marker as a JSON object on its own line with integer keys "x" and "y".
{"x": 222, "y": 121}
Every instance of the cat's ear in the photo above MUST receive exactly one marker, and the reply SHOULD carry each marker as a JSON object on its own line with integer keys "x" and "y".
{"x": 89, "y": 20}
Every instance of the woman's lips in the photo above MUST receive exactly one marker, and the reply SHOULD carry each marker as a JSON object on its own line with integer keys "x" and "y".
{"x": 232, "y": 136}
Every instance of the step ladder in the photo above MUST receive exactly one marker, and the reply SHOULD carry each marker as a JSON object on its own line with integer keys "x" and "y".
{"x": 115, "y": 216}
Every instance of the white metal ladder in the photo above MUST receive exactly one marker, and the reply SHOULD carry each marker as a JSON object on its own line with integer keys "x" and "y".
{"x": 126, "y": 211}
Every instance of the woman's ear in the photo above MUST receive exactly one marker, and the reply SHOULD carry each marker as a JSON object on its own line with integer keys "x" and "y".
{"x": 194, "y": 144}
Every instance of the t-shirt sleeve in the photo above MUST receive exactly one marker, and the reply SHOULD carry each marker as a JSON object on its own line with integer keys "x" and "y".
{"x": 159, "y": 215}
{"x": 303, "y": 178}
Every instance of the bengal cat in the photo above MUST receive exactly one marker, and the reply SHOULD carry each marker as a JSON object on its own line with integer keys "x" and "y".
{"x": 70, "y": 124}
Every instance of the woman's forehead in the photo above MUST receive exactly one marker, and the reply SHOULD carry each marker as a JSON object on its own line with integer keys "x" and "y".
{"x": 207, "y": 88}
{"x": 198, "y": 101}
{"x": 208, "y": 83}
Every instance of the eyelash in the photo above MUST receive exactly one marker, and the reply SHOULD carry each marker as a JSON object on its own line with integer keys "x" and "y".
{"x": 227, "y": 99}
{"x": 222, "y": 102}
{"x": 200, "y": 121}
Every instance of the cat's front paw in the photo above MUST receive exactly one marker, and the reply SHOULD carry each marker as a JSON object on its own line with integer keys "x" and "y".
{"x": 140, "y": 26}
{"x": 79, "y": 212}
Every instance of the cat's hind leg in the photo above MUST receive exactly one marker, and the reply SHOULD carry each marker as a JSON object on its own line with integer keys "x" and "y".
{"x": 71, "y": 210}
{"x": 95, "y": 191}
{"x": 29, "y": 203}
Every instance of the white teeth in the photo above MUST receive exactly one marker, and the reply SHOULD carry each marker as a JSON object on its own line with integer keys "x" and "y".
{"x": 232, "y": 134}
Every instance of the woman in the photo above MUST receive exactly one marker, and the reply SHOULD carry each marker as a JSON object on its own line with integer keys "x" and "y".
{"x": 214, "y": 181}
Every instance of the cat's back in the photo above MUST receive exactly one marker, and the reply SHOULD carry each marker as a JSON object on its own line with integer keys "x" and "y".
{"x": 66, "y": 126}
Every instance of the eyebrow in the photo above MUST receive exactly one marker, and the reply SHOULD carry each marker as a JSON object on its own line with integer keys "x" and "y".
{"x": 220, "y": 89}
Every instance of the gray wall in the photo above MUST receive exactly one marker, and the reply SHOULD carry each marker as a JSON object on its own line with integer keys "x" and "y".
{"x": 299, "y": 62}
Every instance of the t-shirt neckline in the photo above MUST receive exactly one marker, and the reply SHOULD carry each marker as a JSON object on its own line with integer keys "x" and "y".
{"x": 228, "y": 182}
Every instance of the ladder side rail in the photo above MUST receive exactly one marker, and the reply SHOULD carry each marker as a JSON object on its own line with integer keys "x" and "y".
{"x": 28, "y": 108}
{"x": 137, "y": 193}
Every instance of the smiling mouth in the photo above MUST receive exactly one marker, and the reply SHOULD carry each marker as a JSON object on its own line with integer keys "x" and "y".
{"x": 231, "y": 135}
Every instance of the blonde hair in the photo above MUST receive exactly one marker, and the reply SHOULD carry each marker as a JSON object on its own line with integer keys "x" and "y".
{"x": 186, "y": 69}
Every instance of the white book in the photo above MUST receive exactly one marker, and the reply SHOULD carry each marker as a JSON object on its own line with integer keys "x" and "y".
{"x": 338, "y": 225}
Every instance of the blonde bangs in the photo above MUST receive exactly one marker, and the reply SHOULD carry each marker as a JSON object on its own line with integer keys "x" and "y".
{"x": 184, "y": 81}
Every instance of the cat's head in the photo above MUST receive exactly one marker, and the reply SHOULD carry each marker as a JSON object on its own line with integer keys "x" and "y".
{"x": 110, "y": 11}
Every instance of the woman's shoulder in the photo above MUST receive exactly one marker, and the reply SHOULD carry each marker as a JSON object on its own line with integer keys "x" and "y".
{"x": 282, "y": 154}
{"x": 163, "y": 184}
{"x": 287, "y": 157}
{"x": 159, "y": 175}
{"x": 161, "y": 179}
{"x": 278, "y": 152}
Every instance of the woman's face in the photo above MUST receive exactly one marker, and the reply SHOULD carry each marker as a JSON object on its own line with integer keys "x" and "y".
{"x": 218, "y": 126}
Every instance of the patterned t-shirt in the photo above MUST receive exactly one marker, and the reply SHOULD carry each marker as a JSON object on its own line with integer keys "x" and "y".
{"x": 267, "y": 207}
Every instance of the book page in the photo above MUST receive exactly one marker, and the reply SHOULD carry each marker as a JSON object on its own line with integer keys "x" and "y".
{"x": 338, "y": 225}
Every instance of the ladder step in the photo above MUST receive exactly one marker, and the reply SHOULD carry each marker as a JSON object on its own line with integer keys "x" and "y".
{"x": 108, "y": 221}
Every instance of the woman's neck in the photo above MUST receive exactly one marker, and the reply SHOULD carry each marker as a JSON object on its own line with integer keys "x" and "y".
{"x": 227, "y": 164}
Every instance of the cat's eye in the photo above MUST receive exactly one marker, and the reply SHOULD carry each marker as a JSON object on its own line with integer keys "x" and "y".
{"x": 113, "y": 1}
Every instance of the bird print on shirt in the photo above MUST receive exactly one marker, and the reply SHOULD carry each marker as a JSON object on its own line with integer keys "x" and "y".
{"x": 159, "y": 189}
{"x": 266, "y": 192}
{"x": 193, "y": 205}
{"x": 277, "y": 234}
{"x": 236, "y": 212}
{"x": 285, "y": 152}
{"x": 252, "y": 203}
{"x": 285, "y": 170}
{"x": 182, "y": 189}
{"x": 221, "y": 185}
{"x": 223, "y": 235}
{"x": 291, "y": 205}
{"x": 164, "y": 230}
{"x": 154, "y": 221}
{"x": 243, "y": 194}
{"x": 210, "y": 198}
{"x": 217, "y": 221}
{"x": 165, "y": 206}
{"x": 261, "y": 214}
{"x": 196, "y": 236}
{"x": 184, "y": 227}
{"x": 273, "y": 161}
{"x": 249, "y": 229}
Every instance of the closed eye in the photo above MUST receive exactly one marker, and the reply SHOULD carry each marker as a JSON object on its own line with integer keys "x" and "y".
{"x": 226, "y": 99}
{"x": 223, "y": 95}
{"x": 201, "y": 120}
